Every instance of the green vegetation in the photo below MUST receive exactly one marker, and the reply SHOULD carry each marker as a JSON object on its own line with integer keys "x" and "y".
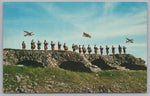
{"x": 45, "y": 80}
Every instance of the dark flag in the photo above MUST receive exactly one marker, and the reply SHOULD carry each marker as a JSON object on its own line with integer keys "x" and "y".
{"x": 86, "y": 35}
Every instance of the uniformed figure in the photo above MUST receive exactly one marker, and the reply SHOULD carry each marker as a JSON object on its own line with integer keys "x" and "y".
{"x": 65, "y": 47}
{"x": 23, "y": 45}
{"x": 107, "y": 49}
{"x": 33, "y": 45}
{"x": 45, "y": 45}
{"x": 89, "y": 49}
{"x": 120, "y": 49}
{"x": 80, "y": 49}
{"x": 113, "y": 49}
{"x": 101, "y": 50}
{"x": 95, "y": 49}
{"x": 39, "y": 45}
{"x": 73, "y": 48}
{"x": 59, "y": 46}
{"x": 52, "y": 45}
{"x": 124, "y": 49}
{"x": 83, "y": 49}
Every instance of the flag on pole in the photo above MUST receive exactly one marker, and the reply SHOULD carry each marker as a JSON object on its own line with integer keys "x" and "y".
{"x": 86, "y": 35}
{"x": 27, "y": 33}
{"x": 129, "y": 40}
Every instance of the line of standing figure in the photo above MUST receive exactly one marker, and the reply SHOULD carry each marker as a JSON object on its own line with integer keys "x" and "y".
{"x": 75, "y": 47}
{"x": 89, "y": 49}
{"x": 33, "y": 46}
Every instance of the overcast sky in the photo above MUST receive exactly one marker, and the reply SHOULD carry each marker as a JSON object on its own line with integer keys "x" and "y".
{"x": 107, "y": 23}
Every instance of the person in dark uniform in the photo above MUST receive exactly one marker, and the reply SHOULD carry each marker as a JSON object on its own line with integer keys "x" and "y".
{"x": 23, "y": 45}
{"x": 101, "y": 50}
{"x": 120, "y": 49}
{"x": 59, "y": 46}
{"x": 89, "y": 49}
{"x": 107, "y": 49}
{"x": 124, "y": 49}
{"x": 95, "y": 49}
{"x": 52, "y": 45}
{"x": 80, "y": 49}
{"x": 45, "y": 45}
{"x": 73, "y": 48}
{"x": 113, "y": 49}
{"x": 83, "y": 49}
{"x": 32, "y": 45}
{"x": 39, "y": 45}
{"x": 65, "y": 47}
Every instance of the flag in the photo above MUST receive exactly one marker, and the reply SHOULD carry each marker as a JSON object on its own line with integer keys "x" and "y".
{"x": 27, "y": 33}
{"x": 129, "y": 40}
{"x": 86, "y": 35}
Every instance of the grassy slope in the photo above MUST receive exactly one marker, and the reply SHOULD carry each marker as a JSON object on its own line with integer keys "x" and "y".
{"x": 46, "y": 80}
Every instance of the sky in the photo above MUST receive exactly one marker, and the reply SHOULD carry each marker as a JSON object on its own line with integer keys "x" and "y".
{"x": 109, "y": 23}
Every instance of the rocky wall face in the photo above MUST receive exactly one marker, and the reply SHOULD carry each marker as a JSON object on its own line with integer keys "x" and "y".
{"x": 9, "y": 57}
{"x": 48, "y": 59}
{"x": 130, "y": 62}
{"x": 73, "y": 60}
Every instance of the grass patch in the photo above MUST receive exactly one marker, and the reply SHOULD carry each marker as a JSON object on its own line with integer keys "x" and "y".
{"x": 113, "y": 80}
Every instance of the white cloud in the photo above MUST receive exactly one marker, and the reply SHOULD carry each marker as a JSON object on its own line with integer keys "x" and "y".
{"x": 109, "y": 7}
{"x": 117, "y": 26}
{"x": 64, "y": 15}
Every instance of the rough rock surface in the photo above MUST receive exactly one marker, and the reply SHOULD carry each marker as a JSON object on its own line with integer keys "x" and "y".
{"x": 73, "y": 60}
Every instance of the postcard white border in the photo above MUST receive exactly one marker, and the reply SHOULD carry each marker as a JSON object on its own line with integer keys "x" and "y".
{"x": 73, "y": 94}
